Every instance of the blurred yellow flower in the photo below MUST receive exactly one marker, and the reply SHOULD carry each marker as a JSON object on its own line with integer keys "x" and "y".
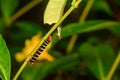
{"x": 29, "y": 46}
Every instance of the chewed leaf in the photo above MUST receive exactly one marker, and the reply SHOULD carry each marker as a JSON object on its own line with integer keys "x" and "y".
{"x": 99, "y": 59}
{"x": 54, "y": 11}
{"x": 5, "y": 62}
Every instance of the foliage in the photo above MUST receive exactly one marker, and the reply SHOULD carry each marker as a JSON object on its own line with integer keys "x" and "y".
{"x": 5, "y": 62}
{"x": 93, "y": 53}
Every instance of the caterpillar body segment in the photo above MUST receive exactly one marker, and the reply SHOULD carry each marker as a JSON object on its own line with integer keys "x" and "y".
{"x": 39, "y": 50}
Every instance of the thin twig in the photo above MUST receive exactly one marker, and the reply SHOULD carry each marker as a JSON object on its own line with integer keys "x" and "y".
{"x": 114, "y": 66}
{"x": 22, "y": 11}
{"x": 86, "y": 10}
{"x": 20, "y": 70}
{"x": 82, "y": 19}
{"x": 71, "y": 43}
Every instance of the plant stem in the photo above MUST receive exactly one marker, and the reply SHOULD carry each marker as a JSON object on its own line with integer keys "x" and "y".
{"x": 59, "y": 22}
{"x": 20, "y": 70}
{"x": 86, "y": 10}
{"x": 114, "y": 66}
{"x": 82, "y": 19}
{"x": 46, "y": 36}
{"x": 71, "y": 43}
{"x": 22, "y": 11}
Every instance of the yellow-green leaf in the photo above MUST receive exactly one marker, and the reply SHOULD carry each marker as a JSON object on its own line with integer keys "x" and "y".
{"x": 54, "y": 11}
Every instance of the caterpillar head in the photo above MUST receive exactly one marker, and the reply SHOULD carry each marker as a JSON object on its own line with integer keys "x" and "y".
{"x": 50, "y": 38}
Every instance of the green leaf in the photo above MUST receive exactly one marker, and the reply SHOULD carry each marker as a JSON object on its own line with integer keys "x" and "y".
{"x": 2, "y": 25}
{"x": 69, "y": 3}
{"x": 103, "y": 6}
{"x": 30, "y": 27}
{"x": 117, "y": 2}
{"x": 88, "y": 26}
{"x": 5, "y": 63}
{"x": 77, "y": 28}
{"x": 115, "y": 29}
{"x": 8, "y": 7}
{"x": 30, "y": 71}
{"x": 63, "y": 63}
{"x": 100, "y": 5}
{"x": 99, "y": 58}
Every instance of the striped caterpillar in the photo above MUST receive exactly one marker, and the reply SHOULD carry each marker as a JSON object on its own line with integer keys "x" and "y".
{"x": 40, "y": 50}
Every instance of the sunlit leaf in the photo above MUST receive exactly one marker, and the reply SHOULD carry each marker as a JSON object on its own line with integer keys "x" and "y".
{"x": 5, "y": 63}
{"x": 54, "y": 11}
{"x": 8, "y": 7}
{"x": 99, "y": 58}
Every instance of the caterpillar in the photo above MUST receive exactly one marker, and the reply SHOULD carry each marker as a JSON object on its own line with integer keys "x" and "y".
{"x": 40, "y": 50}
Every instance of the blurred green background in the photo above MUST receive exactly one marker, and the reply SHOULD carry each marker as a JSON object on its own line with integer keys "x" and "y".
{"x": 94, "y": 51}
